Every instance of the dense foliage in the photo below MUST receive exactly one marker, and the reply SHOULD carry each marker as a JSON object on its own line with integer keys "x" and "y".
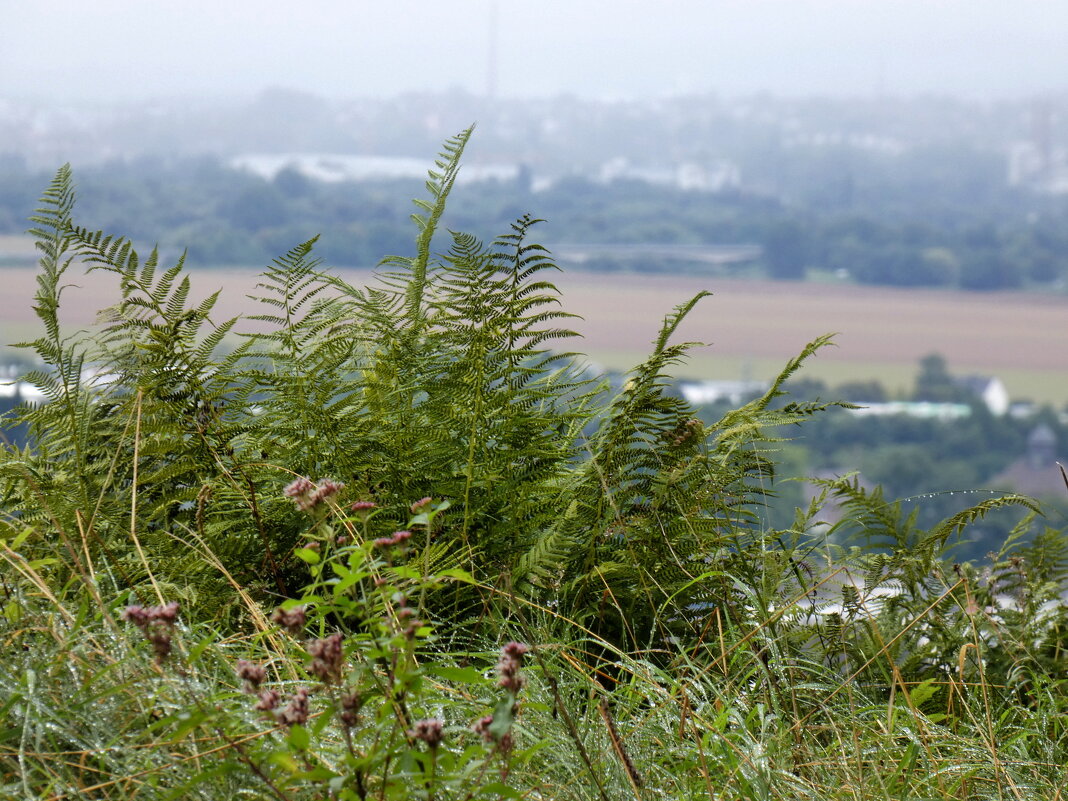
{"x": 416, "y": 482}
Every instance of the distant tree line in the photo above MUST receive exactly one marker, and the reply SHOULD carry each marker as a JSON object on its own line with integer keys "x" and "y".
{"x": 228, "y": 217}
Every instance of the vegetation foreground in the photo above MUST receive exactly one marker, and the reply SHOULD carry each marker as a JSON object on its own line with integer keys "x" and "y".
{"x": 393, "y": 546}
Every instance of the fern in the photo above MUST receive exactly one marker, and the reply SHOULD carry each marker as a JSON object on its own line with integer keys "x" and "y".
{"x": 60, "y": 427}
{"x": 445, "y": 378}
{"x": 657, "y": 502}
{"x": 412, "y": 275}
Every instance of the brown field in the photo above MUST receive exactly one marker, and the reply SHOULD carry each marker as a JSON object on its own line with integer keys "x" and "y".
{"x": 752, "y": 327}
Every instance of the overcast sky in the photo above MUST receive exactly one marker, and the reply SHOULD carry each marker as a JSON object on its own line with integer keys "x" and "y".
{"x": 128, "y": 49}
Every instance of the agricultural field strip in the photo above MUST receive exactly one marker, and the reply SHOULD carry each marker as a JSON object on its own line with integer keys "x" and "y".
{"x": 759, "y": 320}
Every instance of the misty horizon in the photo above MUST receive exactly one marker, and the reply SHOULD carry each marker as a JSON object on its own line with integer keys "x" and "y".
{"x": 115, "y": 51}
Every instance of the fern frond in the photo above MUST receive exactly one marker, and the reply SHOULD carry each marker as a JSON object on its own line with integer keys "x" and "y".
{"x": 958, "y": 522}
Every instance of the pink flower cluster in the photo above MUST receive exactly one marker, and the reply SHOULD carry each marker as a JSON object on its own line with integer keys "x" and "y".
{"x": 268, "y": 700}
{"x": 430, "y": 731}
{"x": 398, "y": 538}
{"x": 252, "y": 674}
{"x": 156, "y": 623}
{"x": 509, "y": 665}
{"x": 350, "y": 708}
{"x": 297, "y": 711}
{"x": 307, "y": 495}
{"x": 363, "y": 509}
{"x": 406, "y": 618}
{"x": 327, "y": 658}
{"x": 328, "y": 662}
{"x": 292, "y": 620}
{"x": 508, "y": 668}
{"x": 481, "y": 727}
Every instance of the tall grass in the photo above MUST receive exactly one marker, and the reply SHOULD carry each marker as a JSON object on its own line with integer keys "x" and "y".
{"x": 787, "y": 705}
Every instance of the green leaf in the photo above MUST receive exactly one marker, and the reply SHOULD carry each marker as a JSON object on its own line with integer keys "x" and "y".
{"x": 198, "y": 648}
{"x": 187, "y": 722}
{"x": 457, "y": 573}
{"x": 285, "y": 761}
{"x": 298, "y": 738}
{"x": 317, "y": 774}
{"x": 503, "y": 717}
{"x": 467, "y": 675}
{"x": 351, "y": 579}
{"x": 499, "y": 789}
{"x": 922, "y": 692}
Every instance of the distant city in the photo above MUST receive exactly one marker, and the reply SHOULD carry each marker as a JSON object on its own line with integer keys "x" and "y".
{"x": 700, "y": 143}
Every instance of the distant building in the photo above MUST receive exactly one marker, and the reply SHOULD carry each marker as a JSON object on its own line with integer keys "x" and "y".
{"x": 690, "y": 176}
{"x": 334, "y": 167}
{"x": 989, "y": 389}
{"x": 16, "y": 392}
{"x": 1038, "y": 169}
{"x": 1021, "y": 409}
{"x": 927, "y": 410}
{"x": 704, "y": 393}
{"x": 1036, "y": 473}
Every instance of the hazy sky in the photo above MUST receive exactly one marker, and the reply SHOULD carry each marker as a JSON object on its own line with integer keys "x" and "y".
{"x": 124, "y": 49}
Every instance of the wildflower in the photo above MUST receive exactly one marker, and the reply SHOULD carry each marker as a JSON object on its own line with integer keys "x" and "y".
{"x": 327, "y": 489}
{"x": 300, "y": 491}
{"x": 306, "y": 494}
{"x": 516, "y": 650}
{"x": 508, "y": 669}
{"x": 350, "y": 708}
{"x": 411, "y": 623}
{"x": 508, "y": 666}
{"x": 327, "y": 658}
{"x": 297, "y": 711}
{"x": 406, "y": 618}
{"x": 168, "y": 613}
{"x": 363, "y": 509}
{"x": 252, "y": 674}
{"x": 429, "y": 731}
{"x": 156, "y": 624}
{"x": 398, "y": 538}
{"x": 422, "y": 505}
{"x": 135, "y": 614}
{"x": 292, "y": 620}
{"x": 268, "y": 700}
{"x": 481, "y": 727}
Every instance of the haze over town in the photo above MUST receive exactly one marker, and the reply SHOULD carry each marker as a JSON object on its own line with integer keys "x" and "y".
{"x": 121, "y": 50}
